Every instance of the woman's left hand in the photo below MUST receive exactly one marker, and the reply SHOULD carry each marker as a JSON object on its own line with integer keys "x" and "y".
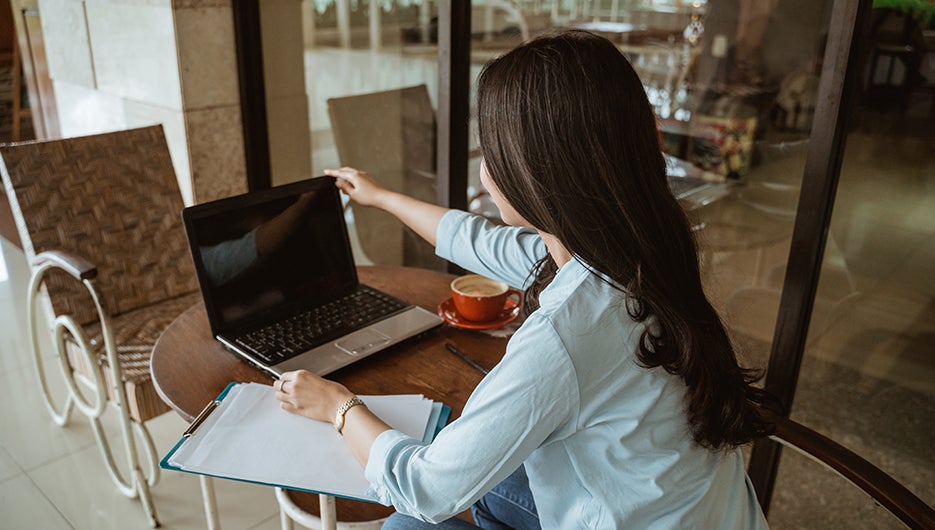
{"x": 304, "y": 393}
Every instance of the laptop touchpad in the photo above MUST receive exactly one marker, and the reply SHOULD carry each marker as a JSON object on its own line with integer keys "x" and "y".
{"x": 362, "y": 341}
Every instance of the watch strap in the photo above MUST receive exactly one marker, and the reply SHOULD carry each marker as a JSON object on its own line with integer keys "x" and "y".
{"x": 342, "y": 410}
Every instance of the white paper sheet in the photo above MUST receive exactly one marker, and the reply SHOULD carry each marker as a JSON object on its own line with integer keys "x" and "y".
{"x": 249, "y": 437}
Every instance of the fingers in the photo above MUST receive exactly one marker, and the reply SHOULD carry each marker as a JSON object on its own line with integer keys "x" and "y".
{"x": 345, "y": 175}
{"x": 285, "y": 378}
{"x": 343, "y": 180}
{"x": 345, "y": 171}
{"x": 304, "y": 393}
{"x": 286, "y": 401}
{"x": 358, "y": 185}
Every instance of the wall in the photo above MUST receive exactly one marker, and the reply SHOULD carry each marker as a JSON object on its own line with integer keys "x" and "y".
{"x": 287, "y": 109}
{"x": 118, "y": 64}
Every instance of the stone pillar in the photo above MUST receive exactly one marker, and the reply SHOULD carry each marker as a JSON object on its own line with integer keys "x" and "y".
{"x": 118, "y": 64}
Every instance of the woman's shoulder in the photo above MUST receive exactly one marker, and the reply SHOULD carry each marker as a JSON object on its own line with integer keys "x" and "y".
{"x": 580, "y": 296}
{"x": 591, "y": 320}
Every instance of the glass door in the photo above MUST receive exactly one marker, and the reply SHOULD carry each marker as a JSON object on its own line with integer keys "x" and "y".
{"x": 355, "y": 83}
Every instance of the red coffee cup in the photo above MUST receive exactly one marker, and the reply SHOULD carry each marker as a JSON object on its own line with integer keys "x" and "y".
{"x": 481, "y": 299}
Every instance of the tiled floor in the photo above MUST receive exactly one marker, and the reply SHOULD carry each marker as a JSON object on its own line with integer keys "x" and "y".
{"x": 52, "y": 477}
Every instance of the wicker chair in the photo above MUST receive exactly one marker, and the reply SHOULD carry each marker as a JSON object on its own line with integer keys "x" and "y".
{"x": 99, "y": 220}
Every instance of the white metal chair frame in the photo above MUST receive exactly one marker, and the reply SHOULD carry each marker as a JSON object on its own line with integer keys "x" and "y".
{"x": 139, "y": 483}
{"x": 290, "y": 512}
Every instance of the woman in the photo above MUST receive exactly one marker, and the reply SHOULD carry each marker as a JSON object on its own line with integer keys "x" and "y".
{"x": 620, "y": 395}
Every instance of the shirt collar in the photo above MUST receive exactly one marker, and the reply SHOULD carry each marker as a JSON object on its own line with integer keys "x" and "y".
{"x": 566, "y": 280}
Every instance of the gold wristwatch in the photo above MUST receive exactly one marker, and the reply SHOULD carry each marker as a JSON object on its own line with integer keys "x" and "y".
{"x": 342, "y": 410}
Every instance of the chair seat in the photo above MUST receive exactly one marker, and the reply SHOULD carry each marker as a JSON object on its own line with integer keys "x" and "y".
{"x": 135, "y": 333}
{"x": 348, "y": 511}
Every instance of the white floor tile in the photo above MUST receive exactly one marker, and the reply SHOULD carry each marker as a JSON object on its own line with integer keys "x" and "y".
{"x": 29, "y": 435}
{"x": 24, "y": 507}
{"x": 273, "y": 523}
{"x": 16, "y": 269}
{"x": 15, "y": 341}
{"x": 84, "y": 494}
{"x": 4, "y": 273}
{"x": 8, "y": 467}
{"x": 14, "y": 354}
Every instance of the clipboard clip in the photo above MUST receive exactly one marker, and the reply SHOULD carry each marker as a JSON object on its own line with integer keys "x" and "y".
{"x": 202, "y": 416}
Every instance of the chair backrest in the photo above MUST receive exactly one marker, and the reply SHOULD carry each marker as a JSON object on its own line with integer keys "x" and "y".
{"x": 391, "y": 135}
{"x": 897, "y": 27}
{"x": 500, "y": 17}
{"x": 881, "y": 487}
{"x": 391, "y": 131}
{"x": 114, "y": 200}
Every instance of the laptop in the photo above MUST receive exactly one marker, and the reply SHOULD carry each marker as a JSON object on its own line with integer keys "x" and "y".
{"x": 280, "y": 285}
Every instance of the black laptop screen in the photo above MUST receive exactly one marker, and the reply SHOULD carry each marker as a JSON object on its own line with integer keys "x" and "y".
{"x": 268, "y": 253}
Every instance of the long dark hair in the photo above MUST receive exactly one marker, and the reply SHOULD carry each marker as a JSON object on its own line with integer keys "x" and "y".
{"x": 570, "y": 140}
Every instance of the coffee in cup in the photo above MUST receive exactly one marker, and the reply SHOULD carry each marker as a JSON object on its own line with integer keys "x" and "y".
{"x": 480, "y": 299}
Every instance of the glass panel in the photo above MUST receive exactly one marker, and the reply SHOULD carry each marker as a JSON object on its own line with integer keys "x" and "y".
{"x": 868, "y": 376}
{"x": 734, "y": 85}
{"x": 355, "y": 83}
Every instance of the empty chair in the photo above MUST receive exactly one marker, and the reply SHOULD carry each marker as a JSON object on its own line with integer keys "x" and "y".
{"x": 896, "y": 51}
{"x": 98, "y": 217}
{"x": 883, "y": 489}
{"x": 752, "y": 310}
{"x": 391, "y": 135}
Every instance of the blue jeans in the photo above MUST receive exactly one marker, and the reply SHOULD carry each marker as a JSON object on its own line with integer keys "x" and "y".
{"x": 508, "y": 505}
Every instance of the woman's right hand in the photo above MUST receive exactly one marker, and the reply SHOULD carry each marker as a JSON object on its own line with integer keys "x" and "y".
{"x": 358, "y": 185}
{"x": 422, "y": 217}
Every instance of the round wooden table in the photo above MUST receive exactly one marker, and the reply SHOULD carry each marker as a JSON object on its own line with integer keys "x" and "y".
{"x": 190, "y": 368}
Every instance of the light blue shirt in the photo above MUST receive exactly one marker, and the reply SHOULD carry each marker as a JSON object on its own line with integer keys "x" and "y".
{"x": 605, "y": 441}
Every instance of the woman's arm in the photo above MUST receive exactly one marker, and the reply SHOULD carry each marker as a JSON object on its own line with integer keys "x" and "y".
{"x": 505, "y": 253}
{"x": 316, "y": 398}
{"x": 421, "y": 217}
{"x": 508, "y": 416}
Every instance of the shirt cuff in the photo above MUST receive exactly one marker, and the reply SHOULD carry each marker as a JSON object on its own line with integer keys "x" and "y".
{"x": 447, "y": 228}
{"x": 378, "y": 463}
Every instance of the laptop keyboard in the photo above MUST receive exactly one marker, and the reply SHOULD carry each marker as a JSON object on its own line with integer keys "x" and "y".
{"x": 304, "y": 331}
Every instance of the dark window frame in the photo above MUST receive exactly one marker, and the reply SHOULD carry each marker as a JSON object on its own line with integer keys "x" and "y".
{"x": 249, "y": 45}
{"x": 837, "y": 95}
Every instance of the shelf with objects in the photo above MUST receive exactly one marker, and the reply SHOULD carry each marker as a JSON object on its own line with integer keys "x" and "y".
{"x": 733, "y": 124}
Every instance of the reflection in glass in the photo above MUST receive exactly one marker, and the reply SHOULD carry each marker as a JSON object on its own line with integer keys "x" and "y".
{"x": 735, "y": 85}
{"x": 368, "y": 79}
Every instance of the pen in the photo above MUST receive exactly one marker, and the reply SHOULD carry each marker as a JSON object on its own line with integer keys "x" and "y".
{"x": 451, "y": 347}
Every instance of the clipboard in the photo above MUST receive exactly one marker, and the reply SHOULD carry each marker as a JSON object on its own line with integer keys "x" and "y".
{"x": 228, "y": 440}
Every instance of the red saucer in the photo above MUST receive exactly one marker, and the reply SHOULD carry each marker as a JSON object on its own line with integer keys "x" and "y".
{"x": 447, "y": 311}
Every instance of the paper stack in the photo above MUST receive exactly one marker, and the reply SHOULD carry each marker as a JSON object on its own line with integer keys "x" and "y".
{"x": 248, "y": 437}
